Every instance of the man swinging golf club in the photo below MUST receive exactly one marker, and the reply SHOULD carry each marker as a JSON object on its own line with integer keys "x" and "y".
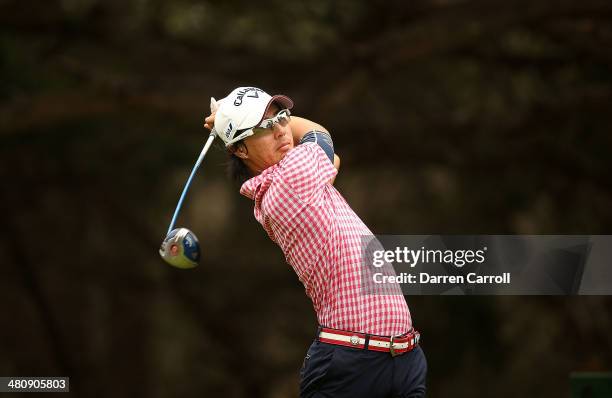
{"x": 365, "y": 345}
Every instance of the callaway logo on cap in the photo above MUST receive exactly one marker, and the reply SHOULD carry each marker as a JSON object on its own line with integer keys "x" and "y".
{"x": 243, "y": 109}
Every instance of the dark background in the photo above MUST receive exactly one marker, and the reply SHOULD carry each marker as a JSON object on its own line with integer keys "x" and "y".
{"x": 449, "y": 116}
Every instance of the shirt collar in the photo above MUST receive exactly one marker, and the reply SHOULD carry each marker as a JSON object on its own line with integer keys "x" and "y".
{"x": 251, "y": 187}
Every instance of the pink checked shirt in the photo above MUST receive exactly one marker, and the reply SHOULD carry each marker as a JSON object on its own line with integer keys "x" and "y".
{"x": 320, "y": 236}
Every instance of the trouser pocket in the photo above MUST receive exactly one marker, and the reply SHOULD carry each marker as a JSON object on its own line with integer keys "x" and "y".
{"x": 315, "y": 367}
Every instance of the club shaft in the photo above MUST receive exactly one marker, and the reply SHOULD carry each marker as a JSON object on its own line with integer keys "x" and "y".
{"x": 211, "y": 137}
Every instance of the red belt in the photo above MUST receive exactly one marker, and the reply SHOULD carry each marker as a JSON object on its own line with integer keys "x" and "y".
{"x": 396, "y": 345}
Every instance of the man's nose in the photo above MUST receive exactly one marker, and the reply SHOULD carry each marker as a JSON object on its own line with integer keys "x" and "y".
{"x": 279, "y": 131}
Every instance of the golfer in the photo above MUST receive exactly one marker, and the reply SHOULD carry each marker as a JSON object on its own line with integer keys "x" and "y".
{"x": 365, "y": 344}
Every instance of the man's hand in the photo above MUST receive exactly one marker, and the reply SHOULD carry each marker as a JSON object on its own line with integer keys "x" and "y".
{"x": 209, "y": 121}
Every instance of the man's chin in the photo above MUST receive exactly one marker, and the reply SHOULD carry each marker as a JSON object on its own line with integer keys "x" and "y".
{"x": 281, "y": 154}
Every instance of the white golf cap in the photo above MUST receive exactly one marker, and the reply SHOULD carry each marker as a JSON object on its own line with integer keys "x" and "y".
{"x": 243, "y": 109}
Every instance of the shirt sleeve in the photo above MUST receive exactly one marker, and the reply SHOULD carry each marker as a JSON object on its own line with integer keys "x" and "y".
{"x": 307, "y": 170}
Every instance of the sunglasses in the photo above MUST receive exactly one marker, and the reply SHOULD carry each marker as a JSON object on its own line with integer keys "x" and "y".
{"x": 282, "y": 117}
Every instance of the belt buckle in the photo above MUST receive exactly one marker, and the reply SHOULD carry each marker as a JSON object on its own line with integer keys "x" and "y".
{"x": 391, "y": 348}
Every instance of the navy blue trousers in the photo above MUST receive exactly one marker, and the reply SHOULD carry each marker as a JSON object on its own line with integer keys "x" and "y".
{"x": 337, "y": 371}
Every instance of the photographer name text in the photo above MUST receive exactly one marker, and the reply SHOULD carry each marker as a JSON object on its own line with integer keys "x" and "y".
{"x": 425, "y": 278}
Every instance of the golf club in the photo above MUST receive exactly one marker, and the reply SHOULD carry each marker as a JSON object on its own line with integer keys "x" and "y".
{"x": 181, "y": 248}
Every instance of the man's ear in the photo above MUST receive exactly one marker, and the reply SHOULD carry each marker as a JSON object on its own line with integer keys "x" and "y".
{"x": 241, "y": 151}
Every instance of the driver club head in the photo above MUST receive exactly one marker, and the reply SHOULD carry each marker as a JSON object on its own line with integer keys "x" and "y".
{"x": 180, "y": 249}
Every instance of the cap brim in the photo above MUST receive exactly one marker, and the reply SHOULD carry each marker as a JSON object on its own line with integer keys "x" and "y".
{"x": 283, "y": 100}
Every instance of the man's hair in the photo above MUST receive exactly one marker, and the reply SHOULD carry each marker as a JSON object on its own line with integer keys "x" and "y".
{"x": 236, "y": 169}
